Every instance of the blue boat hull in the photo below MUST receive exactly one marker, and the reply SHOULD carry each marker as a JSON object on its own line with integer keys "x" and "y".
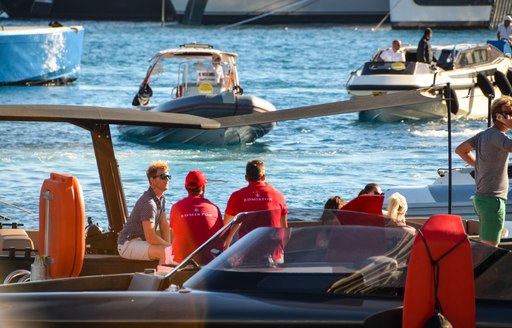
{"x": 40, "y": 55}
{"x": 210, "y": 106}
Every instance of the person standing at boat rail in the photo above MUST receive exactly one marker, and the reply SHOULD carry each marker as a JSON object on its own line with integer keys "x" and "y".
{"x": 194, "y": 219}
{"x": 424, "y": 52}
{"x": 139, "y": 239}
{"x": 259, "y": 195}
{"x": 492, "y": 148}
{"x": 219, "y": 71}
{"x": 393, "y": 54}
{"x": 505, "y": 29}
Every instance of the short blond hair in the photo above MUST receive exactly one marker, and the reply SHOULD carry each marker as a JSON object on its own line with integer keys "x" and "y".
{"x": 154, "y": 166}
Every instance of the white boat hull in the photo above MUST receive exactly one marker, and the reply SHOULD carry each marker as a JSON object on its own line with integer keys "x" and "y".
{"x": 426, "y": 200}
{"x": 412, "y": 14}
{"x": 40, "y": 55}
{"x": 378, "y": 78}
{"x": 288, "y": 11}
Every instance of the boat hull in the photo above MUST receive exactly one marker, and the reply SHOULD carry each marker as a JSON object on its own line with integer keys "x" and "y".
{"x": 40, "y": 55}
{"x": 210, "y": 106}
{"x": 440, "y": 14}
{"x": 91, "y": 9}
{"x": 283, "y": 12}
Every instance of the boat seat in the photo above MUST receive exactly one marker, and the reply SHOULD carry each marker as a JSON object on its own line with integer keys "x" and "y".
{"x": 371, "y": 204}
{"x": 16, "y": 238}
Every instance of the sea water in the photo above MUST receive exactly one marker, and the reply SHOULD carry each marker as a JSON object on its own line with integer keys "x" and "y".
{"x": 308, "y": 160}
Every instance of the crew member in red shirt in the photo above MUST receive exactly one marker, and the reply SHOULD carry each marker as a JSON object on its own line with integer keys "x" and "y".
{"x": 258, "y": 195}
{"x": 194, "y": 219}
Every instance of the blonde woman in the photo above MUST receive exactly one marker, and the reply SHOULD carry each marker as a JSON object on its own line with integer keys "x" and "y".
{"x": 397, "y": 207}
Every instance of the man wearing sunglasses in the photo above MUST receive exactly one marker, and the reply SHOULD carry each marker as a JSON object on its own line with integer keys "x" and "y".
{"x": 146, "y": 234}
{"x": 492, "y": 148}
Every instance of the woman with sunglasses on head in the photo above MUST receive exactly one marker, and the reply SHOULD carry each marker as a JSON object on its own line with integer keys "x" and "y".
{"x": 146, "y": 234}
{"x": 490, "y": 160}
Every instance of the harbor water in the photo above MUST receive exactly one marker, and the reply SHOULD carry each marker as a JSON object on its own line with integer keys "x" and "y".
{"x": 290, "y": 66}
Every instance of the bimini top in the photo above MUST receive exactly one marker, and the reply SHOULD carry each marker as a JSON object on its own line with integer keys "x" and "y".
{"x": 193, "y": 50}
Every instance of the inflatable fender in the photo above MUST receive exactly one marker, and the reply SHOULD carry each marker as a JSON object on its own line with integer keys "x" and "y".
{"x": 502, "y": 83}
{"x": 509, "y": 75}
{"x": 66, "y": 226}
{"x": 451, "y": 99}
{"x": 485, "y": 85}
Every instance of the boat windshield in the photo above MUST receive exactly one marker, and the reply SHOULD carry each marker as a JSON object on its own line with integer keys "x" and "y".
{"x": 357, "y": 257}
{"x": 188, "y": 76}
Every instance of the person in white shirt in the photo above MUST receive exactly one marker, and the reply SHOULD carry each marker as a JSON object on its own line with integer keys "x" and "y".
{"x": 219, "y": 71}
{"x": 393, "y": 54}
{"x": 505, "y": 30}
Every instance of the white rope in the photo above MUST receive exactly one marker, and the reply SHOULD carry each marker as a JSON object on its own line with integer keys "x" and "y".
{"x": 268, "y": 13}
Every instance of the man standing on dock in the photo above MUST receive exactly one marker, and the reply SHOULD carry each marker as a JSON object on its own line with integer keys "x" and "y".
{"x": 492, "y": 148}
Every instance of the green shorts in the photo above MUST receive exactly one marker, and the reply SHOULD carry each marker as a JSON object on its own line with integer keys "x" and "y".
{"x": 491, "y": 211}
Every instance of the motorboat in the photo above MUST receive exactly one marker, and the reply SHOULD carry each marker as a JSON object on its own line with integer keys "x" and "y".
{"x": 35, "y": 55}
{"x": 280, "y": 12}
{"x": 198, "y": 88}
{"x": 442, "y": 14}
{"x": 429, "y": 199}
{"x": 343, "y": 275}
{"x": 459, "y": 65}
{"x": 19, "y": 247}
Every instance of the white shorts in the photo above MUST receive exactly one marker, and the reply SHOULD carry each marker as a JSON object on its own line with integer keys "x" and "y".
{"x": 135, "y": 249}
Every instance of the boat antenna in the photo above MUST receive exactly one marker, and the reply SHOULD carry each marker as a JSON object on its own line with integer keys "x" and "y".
{"x": 16, "y": 207}
{"x": 453, "y": 107}
{"x": 293, "y": 4}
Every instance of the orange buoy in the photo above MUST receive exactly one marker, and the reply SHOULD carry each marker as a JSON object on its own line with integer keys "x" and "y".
{"x": 62, "y": 225}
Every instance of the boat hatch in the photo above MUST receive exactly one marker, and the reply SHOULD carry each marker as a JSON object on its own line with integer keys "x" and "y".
{"x": 197, "y": 45}
{"x": 407, "y": 68}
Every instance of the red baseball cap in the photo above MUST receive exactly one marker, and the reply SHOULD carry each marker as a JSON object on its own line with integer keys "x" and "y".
{"x": 195, "y": 179}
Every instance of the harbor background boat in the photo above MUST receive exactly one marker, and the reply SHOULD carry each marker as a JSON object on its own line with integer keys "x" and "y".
{"x": 308, "y": 160}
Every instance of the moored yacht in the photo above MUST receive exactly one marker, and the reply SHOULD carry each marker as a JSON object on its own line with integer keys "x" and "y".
{"x": 457, "y": 64}
{"x": 440, "y": 13}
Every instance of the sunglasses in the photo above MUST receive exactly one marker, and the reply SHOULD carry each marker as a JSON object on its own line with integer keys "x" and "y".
{"x": 378, "y": 193}
{"x": 163, "y": 176}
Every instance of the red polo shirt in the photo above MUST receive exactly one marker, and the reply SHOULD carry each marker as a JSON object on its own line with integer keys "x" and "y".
{"x": 258, "y": 196}
{"x": 193, "y": 220}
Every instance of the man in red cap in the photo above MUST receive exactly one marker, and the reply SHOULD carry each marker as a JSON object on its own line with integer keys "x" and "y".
{"x": 257, "y": 196}
{"x": 194, "y": 219}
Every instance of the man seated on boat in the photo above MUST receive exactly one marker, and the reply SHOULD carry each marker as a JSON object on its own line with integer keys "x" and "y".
{"x": 139, "y": 239}
{"x": 194, "y": 219}
{"x": 393, "y": 54}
